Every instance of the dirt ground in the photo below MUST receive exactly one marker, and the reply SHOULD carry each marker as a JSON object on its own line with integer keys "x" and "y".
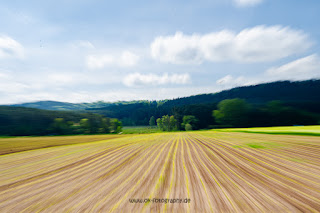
{"x": 202, "y": 171}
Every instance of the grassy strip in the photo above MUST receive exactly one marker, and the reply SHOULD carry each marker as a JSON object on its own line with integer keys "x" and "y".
{"x": 284, "y": 130}
{"x": 140, "y": 130}
{"x": 278, "y": 132}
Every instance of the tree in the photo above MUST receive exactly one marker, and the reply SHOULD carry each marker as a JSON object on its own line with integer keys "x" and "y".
{"x": 167, "y": 123}
{"x": 152, "y": 121}
{"x": 116, "y": 126}
{"x": 61, "y": 127}
{"x": 188, "y": 127}
{"x": 85, "y": 125}
{"x": 232, "y": 112}
{"x": 191, "y": 120}
{"x": 160, "y": 124}
{"x": 105, "y": 125}
{"x": 172, "y": 123}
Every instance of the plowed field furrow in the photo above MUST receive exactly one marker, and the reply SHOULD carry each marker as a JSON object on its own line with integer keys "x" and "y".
{"x": 279, "y": 181}
{"x": 202, "y": 171}
{"x": 265, "y": 162}
{"x": 224, "y": 180}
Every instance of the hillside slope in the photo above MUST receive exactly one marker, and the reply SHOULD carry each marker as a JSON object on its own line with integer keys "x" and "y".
{"x": 303, "y": 95}
{"x": 286, "y": 91}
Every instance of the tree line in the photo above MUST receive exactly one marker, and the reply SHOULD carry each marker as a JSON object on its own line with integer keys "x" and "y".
{"x": 302, "y": 95}
{"x": 21, "y": 121}
{"x": 239, "y": 113}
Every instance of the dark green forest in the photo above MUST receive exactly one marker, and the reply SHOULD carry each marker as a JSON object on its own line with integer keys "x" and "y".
{"x": 269, "y": 104}
{"x": 292, "y": 97}
{"x": 22, "y": 121}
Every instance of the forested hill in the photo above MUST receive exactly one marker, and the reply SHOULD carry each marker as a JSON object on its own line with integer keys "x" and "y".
{"x": 286, "y": 91}
{"x": 301, "y": 95}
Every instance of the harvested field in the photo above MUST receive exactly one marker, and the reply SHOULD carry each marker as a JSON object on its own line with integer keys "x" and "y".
{"x": 18, "y": 144}
{"x": 209, "y": 171}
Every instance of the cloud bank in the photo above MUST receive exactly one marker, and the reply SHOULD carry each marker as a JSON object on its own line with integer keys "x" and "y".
{"x": 300, "y": 69}
{"x": 251, "y": 45}
{"x": 125, "y": 59}
{"x": 137, "y": 79}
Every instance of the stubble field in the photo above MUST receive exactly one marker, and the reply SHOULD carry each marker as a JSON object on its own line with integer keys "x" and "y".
{"x": 201, "y": 171}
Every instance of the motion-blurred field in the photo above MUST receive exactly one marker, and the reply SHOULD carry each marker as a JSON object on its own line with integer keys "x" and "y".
{"x": 284, "y": 130}
{"x": 217, "y": 171}
{"x": 140, "y": 129}
{"x": 18, "y": 144}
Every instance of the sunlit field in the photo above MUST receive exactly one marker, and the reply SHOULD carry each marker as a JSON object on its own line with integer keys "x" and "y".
{"x": 18, "y": 144}
{"x": 140, "y": 129}
{"x": 200, "y": 171}
{"x": 287, "y": 130}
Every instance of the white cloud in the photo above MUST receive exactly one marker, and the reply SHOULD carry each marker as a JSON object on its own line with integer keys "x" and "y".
{"x": 177, "y": 49}
{"x": 247, "y": 3}
{"x": 137, "y": 79}
{"x": 301, "y": 69}
{"x": 257, "y": 44}
{"x": 10, "y": 48}
{"x": 126, "y": 59}
{"x": 99, "y": 61}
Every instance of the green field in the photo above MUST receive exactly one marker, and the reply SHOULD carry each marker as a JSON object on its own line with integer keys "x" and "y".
{"x": 139, "y": 129}
{"x": 284, "y": 130}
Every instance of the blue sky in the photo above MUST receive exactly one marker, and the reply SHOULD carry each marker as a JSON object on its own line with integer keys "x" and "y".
{"x": 85, "y": 51}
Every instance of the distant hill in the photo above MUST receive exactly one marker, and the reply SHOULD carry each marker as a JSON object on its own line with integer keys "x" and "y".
{"x": 287, "y": 91}
{"x": 304, "y": 95}
{"x": 55, "y": 105}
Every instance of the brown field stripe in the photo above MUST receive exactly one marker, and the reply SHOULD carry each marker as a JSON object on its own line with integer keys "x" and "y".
{"x": 79, "y": 163}
{"x": 277, "y": 156}
{"x": 5, "y": 187}
{"x": 294, "y": 200}
{"x": 128, "y": 159}
{"x": 158, "y": 181}
{"x": 154, "y": 150}
{"x": 129, "y": 144}
{"x": 268, "y": 197}
{"x": 100, "y": 189}
{"x": 62, "y": 174}
{"x": 249, "y": 197}
{"x": 223, "y": 143}
{"x": 186, "y": 173}
{"x": 304, "y": 144}
{"x": 138, "y": 182}
{"x": 291, "y": 200}
{"x": 198, "y": 173}
{"x": 204, "y": 170}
